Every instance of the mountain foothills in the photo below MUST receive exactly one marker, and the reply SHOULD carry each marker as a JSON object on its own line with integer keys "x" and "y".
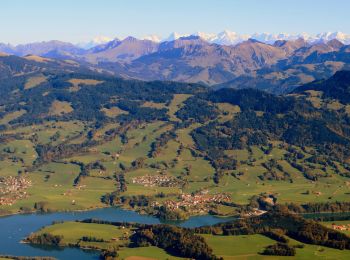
{"x": 277, "y": 66}
{"x": 75, "y": 137}
{"x": 128, "y": 134}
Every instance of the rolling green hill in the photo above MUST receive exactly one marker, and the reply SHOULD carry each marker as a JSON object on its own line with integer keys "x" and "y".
{"x": 77, "y": 139}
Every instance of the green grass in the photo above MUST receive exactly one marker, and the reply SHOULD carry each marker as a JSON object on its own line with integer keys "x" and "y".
{"x": 114, "y": 111}
{"x": 345, "y": 222}
{"x": 11, "y": 116}
{"x": 72, "y": 232}
{"x": 61, "y": 176}
{"x": 9, "y": 168}
{"x": 319, "y": 252}
{"x": 45, "y": 131}
{"x": 227, "y": 247}
{"x": 238, "y": 246}
{"x": 249, "y": 247}
{"x": 184, "y": 135}
{"x": 143, "y": 253}
{"x": 239, "y": 155}
{"x": 228, "y": 111}
{"x": 140, "y": 140}
{"x": 176, "y": 104}
{"x": 23, "y": 149}
{"x": 58, "y": 190}
{"x": 34, "y": 81}
{"x": 60, "y": 107}
{"x": 114, "y": 237}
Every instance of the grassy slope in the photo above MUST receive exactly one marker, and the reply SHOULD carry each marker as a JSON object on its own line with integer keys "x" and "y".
{"x": 249, "y": 247}
{"x": 61, "y": 176}
{"x": 228, "y": 247}
{"x": 72, "y": 233}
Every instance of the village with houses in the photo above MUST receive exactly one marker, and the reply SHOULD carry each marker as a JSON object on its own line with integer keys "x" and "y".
{"x": 199, "y": 203}
{"x": 13, "y": 189}
{"x": 157, "y": 180}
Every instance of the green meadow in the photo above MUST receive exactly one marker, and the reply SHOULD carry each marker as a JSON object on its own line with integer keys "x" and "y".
{"x": 53, "y": 183}
{"x": 251, "y": 247}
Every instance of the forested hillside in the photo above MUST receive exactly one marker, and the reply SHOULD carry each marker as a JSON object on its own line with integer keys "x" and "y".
{"x": 73, "y": 138}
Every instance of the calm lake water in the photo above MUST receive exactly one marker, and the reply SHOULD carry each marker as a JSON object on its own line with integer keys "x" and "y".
{"x": 15, "y": 228}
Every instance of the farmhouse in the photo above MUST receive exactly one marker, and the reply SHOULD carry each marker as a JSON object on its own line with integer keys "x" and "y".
{"x": 341, "y": 227}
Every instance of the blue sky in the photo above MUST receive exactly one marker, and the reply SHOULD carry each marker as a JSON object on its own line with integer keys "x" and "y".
{"x": 80, "y": 20}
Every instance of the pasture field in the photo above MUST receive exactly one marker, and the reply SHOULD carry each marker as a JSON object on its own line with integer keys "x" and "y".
{"x": 178, "y": 157}
{"x": 112, "y": 238}
{"x": 228, "y": 111}
{"x": 52, "y": 180}
{"x": 113, "y": 111}
{"x": 227, "y": 247}
{"x": 250, "y": 247}
{"x": 83, "y": 180}
{"x": 23, "y": 149}
{"x": 60, "y": 107}
{"x": 145, "y": 253}
{"x": 53, "y": 184}
{"x": 73, "y": 232}
{"x": 176, "y": 104}
{"x": 34, "y": 81}
{"x": 11, "y": 116}
{"x": 77, "y": 83}
{"x": 46, "y": 132}
{"x": 345, "y": 223}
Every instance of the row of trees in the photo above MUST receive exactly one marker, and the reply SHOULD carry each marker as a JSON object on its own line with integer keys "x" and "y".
{"x": 160, "y": 142}
{"x": 294, "y": 226}
{"x": 280, "y": 249}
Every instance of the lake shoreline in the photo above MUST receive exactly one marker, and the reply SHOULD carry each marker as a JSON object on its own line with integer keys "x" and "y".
{"x": 52, "y": 211}
{"x": 119, "y": 206}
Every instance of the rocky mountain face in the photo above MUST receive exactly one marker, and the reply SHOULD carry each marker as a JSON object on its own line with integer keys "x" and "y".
{"x": 126, "y": 50}
{"x": 277, "y": 67}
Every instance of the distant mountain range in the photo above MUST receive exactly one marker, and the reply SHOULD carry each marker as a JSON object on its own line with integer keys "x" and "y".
{"x": 271, "y": 63}
{"x": 227, "y": 37}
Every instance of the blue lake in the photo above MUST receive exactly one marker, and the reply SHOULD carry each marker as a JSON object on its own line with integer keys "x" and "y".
{"x": 15, "y": 228}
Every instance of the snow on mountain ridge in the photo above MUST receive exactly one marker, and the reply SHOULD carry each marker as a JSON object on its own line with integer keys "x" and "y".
{"x": 152, "y": 37}
{"x": 227, "y": 37}
{"x": 95, "y": 41}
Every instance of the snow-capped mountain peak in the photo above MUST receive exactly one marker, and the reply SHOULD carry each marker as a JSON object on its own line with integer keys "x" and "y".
{"x": 227, "y": 37}
{"x": 327, "y": 36}
{"x": 94, "y": 42}
{"x": 152, "y": 37}
{"x": 209, "y": 37}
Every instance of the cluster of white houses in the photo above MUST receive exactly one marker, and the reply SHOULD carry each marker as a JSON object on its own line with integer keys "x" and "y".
{"x": 13, "y": 189}
{"x": 156, "y": 180}
{"x": 196, "y": 203}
